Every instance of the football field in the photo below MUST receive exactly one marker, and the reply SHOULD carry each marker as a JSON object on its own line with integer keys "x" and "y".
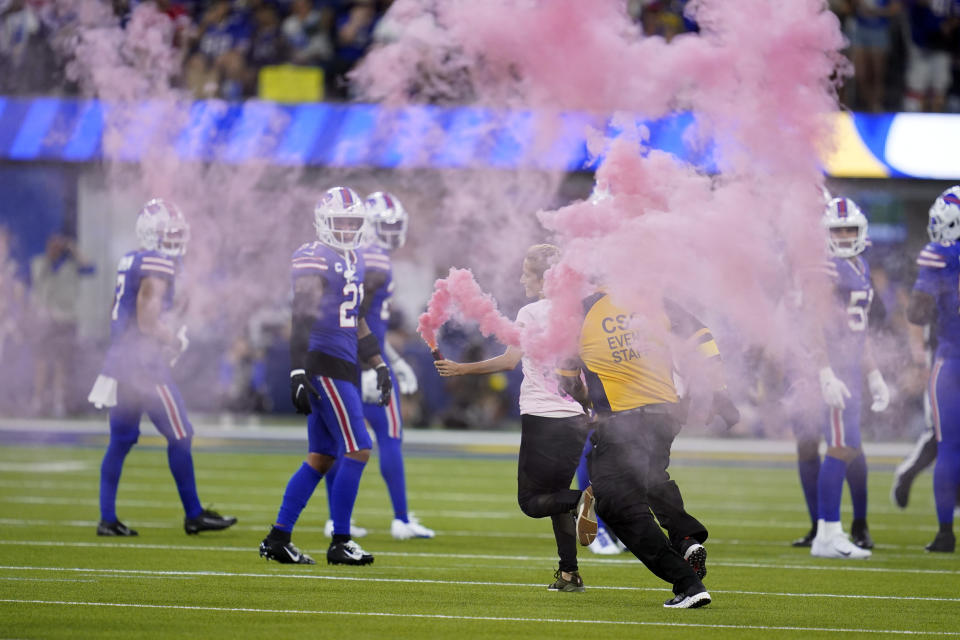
{"x": 483, "y": 576}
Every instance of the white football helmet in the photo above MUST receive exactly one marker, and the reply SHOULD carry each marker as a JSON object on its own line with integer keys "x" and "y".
{"x": 944, "y": 224}
{"x": 843, "y": 213}
{"x": 340, "y": 218}
{"x": 387, "y": 220}
{"x": 162, "y": 227}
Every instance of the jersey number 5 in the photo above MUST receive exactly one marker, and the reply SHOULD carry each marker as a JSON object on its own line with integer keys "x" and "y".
{"x": 857, "y": 311}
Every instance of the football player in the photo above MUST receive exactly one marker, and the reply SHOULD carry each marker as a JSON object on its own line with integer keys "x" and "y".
{"x": 137, "y": 378}
{"x": 936, "y": 299}
{"x": 329, "y": 340}
{"x": 387, "y": 229}
{"x": 845, "y": 353}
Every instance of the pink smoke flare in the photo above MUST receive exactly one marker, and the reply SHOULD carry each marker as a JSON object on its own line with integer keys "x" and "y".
{"x": 459, "y": 293}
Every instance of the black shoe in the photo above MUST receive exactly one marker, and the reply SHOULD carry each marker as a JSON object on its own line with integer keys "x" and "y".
{"x": 208, "y": 520}
{"x": 696, "y": 556}
{"x": 806, "y": 540}
{"x": 115, "y": 528}
{"x": 348, "y": 552}
{"x": 860, "y": 535}
{"x": 900, "y": 492}
{"x": 944, "y": 542}
{"x": 573, "y": 585}
{"x": 691, "y": 599}
{"x": 283, "y": 552}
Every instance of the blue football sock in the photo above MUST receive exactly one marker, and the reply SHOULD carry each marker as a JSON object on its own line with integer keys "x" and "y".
{"x": 181, "y": 466}
{"x": 299, "y": 489}
{"x": 830, "y": 488}
{"x": 345, "y": 494}
{"x": 391, "y": 468}
{"x": 110, "y": 470}
{"x": 857, "y": 479}
{"x": 329, "y": 478}
{"x": 809, "y": 470}
{"x": 946, "y": 477}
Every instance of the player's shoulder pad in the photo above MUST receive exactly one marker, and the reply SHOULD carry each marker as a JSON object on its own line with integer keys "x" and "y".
{"x": 154, "y": 263}
{"x": 933, "y": 256}
{"x": 375, "y": 258}
{"x": 310, "y": 258}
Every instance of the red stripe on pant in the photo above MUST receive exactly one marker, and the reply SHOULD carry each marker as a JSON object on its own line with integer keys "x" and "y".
{"x": 349, "y": 441}
{"x": 172, "y": 413}
{"x": 836, "y": 420}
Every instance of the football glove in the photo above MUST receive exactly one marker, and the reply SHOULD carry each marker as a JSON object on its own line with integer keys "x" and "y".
{"x": 879, "y": 390}
{"x": 184, "y": 344}
{"x": 299, "y": 388}
{"x": 368, "y": 387}
{"x": 723, "y": 407}
{"x": 384, "y": 384}
{"x": 406, "y": 378}
{"x": 833, "y": 389}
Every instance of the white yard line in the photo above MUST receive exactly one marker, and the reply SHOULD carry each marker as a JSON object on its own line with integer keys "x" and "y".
{"x": 435, "y": 616}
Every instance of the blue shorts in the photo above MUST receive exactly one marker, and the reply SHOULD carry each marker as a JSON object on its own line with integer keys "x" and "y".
{"x": 386, "y": 421}
{"x": 162, "y": 403}
{"x": 335, "y": 424}
{"x": 843, "y": 425}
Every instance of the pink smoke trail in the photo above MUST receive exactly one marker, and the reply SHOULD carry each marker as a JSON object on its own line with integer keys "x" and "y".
{"x": 460, "y": 293}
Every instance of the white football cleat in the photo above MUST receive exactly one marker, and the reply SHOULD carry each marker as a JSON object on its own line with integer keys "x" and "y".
{"x": 836, "y": 545}
{"x": 355, "y": 531}
{"x": 401, "y": 530}
{"x": 603, "y": 545}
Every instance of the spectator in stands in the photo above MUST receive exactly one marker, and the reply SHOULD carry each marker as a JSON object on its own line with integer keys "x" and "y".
{"x": 934, "y": 28}
{"x": 870, "y": 48}
{"x": 267, "y": 47}
{"x": 216, "y": 66}
{"x": 23, "y": 52}
{"x": 353, "y": 37}
{"x": 307, "y": 33}
{"x": 55, "y": 276}
{"x": 243, "y": 379}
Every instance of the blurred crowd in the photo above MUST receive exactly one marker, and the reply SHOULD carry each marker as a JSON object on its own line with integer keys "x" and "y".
{"x": 905, "y": 53}
{"x": 223, "y": 45}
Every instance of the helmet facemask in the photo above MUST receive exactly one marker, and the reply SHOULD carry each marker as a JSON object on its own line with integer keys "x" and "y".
{"x": 846, "y": 228}
{"x": 340, "y": 219}
{"x": 944, "y": 223}
{"x": 161, "y": 227}
{"x": 388, "y": 219}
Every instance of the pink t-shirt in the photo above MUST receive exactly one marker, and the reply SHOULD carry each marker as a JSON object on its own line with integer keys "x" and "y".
{"x": 539, "y": 394}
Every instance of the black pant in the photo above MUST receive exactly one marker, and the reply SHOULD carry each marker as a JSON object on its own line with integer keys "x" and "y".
{"x": 550, "y": 450}
{"x": 628, "y": 470}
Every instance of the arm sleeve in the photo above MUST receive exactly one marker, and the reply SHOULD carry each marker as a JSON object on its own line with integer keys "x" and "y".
{"x": 689, "y": 328}
{"x": 371, "y": 284}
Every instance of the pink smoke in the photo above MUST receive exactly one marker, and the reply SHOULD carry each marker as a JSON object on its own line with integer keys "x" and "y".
{"x": 459, "y": 293}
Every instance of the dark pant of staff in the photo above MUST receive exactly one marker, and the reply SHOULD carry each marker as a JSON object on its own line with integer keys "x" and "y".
{"x": 628, "y": 469}
{"x": 550, "y": 450}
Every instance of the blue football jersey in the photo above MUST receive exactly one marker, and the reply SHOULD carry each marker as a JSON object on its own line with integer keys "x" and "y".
{"x": 938, "y": 274}
{"x": 128, "y": 347}
{"x": 854, "y": 293}
{"x": 334, "y": 332}
{"x": 377, "y": 263}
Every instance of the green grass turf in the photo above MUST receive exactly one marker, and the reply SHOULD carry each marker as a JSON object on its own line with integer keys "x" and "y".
{"x": 483, "y": 576}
